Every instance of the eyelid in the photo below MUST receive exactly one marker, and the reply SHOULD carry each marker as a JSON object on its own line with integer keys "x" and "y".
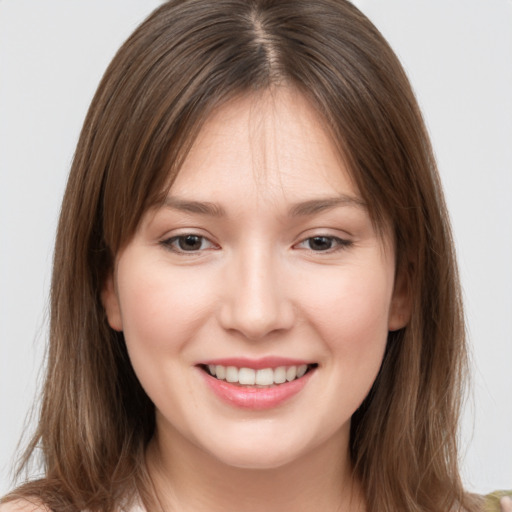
{"x": 340, "y": 243}
{"x": 169, "y": 243}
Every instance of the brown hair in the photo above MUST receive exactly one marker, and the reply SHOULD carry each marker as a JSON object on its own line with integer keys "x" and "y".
{"x": 186, "y": 59}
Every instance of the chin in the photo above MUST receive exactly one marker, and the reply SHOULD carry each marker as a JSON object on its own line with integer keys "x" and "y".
{"x": 258, "y": 459}
{"x": 261, "y": 450}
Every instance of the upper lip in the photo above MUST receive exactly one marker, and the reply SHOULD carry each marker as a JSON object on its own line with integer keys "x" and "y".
{"x": 256, "y": 364}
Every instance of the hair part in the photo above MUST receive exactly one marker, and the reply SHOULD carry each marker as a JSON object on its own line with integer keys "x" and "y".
{"x": 185, "y": 60}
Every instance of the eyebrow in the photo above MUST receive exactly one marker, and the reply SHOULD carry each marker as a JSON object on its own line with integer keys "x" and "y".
{"x": 301, "y": 209}
{"x": 200, "y": 207}
{"x": 319, "y": 205}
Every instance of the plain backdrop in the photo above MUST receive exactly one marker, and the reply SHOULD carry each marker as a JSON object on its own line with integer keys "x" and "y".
{"x": 458, "y": 54}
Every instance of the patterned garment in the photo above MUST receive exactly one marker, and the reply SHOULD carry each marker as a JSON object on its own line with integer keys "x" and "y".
{"x": 492, "y": 501}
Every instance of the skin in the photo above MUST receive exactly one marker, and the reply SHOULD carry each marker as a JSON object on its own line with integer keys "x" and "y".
{"x": 257, "y": 284}
{"x": 255, "y": 288}
{"x": 506, "y": 504}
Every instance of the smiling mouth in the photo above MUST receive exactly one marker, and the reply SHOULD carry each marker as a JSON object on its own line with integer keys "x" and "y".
{"x": 263, "y": 378}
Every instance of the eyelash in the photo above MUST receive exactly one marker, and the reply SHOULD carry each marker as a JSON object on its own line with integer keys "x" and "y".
{"x": 174, "y": 243}
{"x": 338, "y": 243}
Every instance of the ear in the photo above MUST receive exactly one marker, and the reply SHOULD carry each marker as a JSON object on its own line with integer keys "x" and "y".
{"x": 110, "y": 302}
{"x": 401, "y": 302}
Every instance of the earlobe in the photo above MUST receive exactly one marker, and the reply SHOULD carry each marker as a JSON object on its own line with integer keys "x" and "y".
{"x": 401, "y": 303}
{"x": 110, "y": 302}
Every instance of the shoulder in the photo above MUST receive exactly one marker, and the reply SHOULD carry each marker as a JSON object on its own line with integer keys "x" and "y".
{"x": 23, "y": 505}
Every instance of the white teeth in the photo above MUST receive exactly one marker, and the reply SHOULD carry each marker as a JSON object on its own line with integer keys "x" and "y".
{"x": 280, "y": 375}
{"x": 301, "y": 370}
{"x": 291, "y": 373}
{"x": 247, "y": 376}
{"x": 262, "y": 377}
{"x": 220, "y": 372}
{"x": 232, "y": 374}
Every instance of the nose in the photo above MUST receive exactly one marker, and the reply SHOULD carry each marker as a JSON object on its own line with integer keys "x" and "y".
{"x": 255, "y": 300}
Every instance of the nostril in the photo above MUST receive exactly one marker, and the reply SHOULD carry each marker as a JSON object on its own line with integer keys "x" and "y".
{"x": 253, "y": 302}
{"x": 257, "y": 322}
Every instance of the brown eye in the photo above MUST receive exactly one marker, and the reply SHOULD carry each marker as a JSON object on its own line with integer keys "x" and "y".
{"x": 324, "y": 244}
{"x": 190, "y": 242}
{"x": 187, "y": 243}
{"x": 320, "y": 243}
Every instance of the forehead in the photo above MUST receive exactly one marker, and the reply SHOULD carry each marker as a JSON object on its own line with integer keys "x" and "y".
{"x": 274, "y": 144}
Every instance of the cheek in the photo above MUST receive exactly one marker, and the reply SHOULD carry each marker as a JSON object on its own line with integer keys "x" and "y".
{"x": 162, "y": 312}
{"x": 347, "y": 309}
{"x": 350, "y": 309}
{"x": 161, "y": 308}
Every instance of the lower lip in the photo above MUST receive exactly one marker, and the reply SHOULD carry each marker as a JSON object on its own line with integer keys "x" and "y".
{"x": 247, "y": 397}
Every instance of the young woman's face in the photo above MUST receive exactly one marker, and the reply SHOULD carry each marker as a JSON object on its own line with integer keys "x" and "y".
{"x": 257, "y": 302}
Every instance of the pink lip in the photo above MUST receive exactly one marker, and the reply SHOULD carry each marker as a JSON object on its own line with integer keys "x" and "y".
{"x": 248, "y": 397}
{"x": 256, "y": 364}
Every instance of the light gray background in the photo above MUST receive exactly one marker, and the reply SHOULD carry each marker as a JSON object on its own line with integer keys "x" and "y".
{"x": 458, "y": 54}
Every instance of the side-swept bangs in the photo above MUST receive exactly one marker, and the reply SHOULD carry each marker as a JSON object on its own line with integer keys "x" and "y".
{"x": 186, "y": 59}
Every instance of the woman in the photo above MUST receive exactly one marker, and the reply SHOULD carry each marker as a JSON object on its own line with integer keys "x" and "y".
{"x": 255, "y": 300}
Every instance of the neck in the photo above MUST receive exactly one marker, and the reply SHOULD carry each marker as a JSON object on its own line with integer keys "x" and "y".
{"x": 186, "y": 478}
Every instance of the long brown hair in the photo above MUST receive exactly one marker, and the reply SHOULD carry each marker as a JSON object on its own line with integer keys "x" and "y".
{"x": 186, "y": 59}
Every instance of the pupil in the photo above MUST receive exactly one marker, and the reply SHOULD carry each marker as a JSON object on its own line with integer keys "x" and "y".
{"x": 190, "y": 243}
{"x": 320, "y": 243}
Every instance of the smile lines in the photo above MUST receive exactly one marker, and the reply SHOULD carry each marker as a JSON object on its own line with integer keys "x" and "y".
{"x": 261, "y": 377}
